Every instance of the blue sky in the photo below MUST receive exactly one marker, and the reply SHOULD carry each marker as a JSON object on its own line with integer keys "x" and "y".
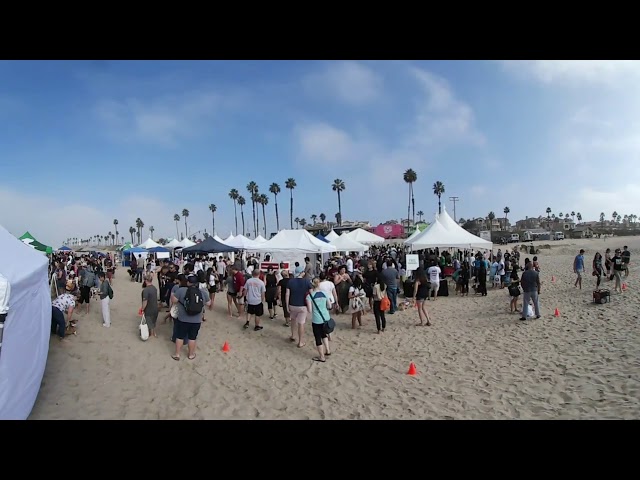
{"x": 83, "y": 143}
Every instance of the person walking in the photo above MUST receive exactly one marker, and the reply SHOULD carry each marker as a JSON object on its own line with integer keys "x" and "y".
{"x": 578, "y": 268}
{"x": 530, "y": 283}
{"x": 256, "y": 291}
{"x": 106, "y": 294}
{"x": 318, "y": 306}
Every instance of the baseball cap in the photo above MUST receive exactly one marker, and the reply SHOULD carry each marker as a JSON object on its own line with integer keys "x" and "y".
{"x": 298, "y": 271}
{"x": 192, "y": 279}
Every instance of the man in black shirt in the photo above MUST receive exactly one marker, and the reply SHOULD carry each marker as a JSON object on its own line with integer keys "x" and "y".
{"x": 618, "y": 268}
{"x": 530, "y": 283}
{"x": 626, "y": 258}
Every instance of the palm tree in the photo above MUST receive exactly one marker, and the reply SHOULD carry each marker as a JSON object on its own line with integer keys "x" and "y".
{"x": 185, "y": 215}
{"x": 297, "y": 220}
{"x": 151, "y": 229}
{"x": 176, "y": 218}
{"x": 338, "y": 219}
{"x": 213, "y": 209}
{"x": 264, "y": 201}
{"x": 548, "y": 210}
{"x": 579, "y": 216}
{"x": 113, "y": 239}
{"x": 139, "y": 225}
{"x": 420, "y": 214}
{"x": 323, "y": 217}
{"x": 256, "y": 201}
{"x": 560, "y": 215}
{"x": 233, "y": 195}
{"x": 506, "y": 214}
{"x": 122, "y": 238}
{"x": 109, "y": 235}
{"x": 115, "y": 224}
{"x": 132, "y": 231}
{"x": 614, "y": 215}
{"x": 252, "y": 188}
{"x": 313, "y": 218}
{"x": 241, "y": 201}
{"x": 573, "y": 215}
{"x": 339, "y": 186}
{"x": 438, "y": 189}
{"x": 303, "y": 222}
{"x": 275, "y": 189}
{"x": 291, "y": 184}
{"x": 491, "y": 216}
{"x": 410, "y": 176}
{"x": 602, "y": 219}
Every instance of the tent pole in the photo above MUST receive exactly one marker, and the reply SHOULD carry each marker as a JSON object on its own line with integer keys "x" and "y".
{"x": 3, "y": 317}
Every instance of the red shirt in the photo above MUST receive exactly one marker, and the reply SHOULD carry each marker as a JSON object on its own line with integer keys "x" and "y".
{"x": 238, "y": 281}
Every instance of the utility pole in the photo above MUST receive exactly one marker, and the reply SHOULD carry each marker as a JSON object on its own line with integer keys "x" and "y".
{"x": 454, "y": 200}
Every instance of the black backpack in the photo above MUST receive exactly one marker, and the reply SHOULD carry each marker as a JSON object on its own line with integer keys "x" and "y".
{"x": 193, "y": 301}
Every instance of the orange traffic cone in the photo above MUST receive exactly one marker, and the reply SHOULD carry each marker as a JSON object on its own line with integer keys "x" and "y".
{"x": 624, "y": 286}
{"x": 556, "y": 313}
{"x": 553, "y": 279}
{"x": 412, "y": 369}
{"x": 225, "y": 347}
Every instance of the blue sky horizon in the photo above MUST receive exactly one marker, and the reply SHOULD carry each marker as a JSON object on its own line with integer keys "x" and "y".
{"x": 84, "y": 142}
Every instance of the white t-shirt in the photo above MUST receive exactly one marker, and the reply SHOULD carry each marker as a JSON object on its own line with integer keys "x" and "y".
{"x": 327, "y": 288}
{"x": 434, "y": 274}
{"x": 349, "y": 265}
{"x": 254, "y": 288}
{"x": 212, "y": 280}
{"x": 221, "y": 268}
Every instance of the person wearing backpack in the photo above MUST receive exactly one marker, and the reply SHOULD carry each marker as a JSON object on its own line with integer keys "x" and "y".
{"x": 106, "y": 294}
{"x": 191, "y": 301}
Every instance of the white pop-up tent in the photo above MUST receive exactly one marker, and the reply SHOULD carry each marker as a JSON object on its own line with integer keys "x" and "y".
{"x": 344, "y": 243}
{"x": 367, "y": 238}
{"x": 241, "y": 243}
{"x": 298, "y": 241}
{"x": 437, "y": 235}
{"x": 260, "y": 239}
{"x": 175, "y": 243}
{"x": 218, "y": 239}
{"x": 331, "y": 236}
{"x": 149, "y": 243}
{"x": 25, "y": 298}
{"x": 186, "y": 243}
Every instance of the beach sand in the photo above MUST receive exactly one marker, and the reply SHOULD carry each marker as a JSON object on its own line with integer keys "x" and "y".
{"x": 477, "y": 361}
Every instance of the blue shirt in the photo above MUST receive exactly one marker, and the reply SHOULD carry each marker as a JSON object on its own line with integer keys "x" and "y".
{"x": 298, "y": 291}
{"x": 321, "y": 310}
{"x": 580, "y": 262}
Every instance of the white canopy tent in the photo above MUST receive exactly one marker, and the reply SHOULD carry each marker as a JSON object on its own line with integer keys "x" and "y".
{"x": 472, "y": 240}
{"x": 149, "y": 243}
{"x": 25, "y": 298}
{"x": 175, "y": 243}
{"x": 331, "y": 236}
{"x": 229, "y": 238}
{"x": 241, "y": 243}
{"x": 260, "y": 239}
{"x": 186, "y": 243}
{"x": 344, "y": 243}
{"x": 218, "y": 239}
{"x": 367, "y": 238}
{"x": 437, "y": 235}
{"x": 298, "y": 241}
{"x": 412, "y": 236}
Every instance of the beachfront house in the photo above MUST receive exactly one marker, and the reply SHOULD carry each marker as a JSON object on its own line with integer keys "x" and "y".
{"x": 582, "y": 232}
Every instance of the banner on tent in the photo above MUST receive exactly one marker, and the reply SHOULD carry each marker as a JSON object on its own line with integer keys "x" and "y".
{"x": 413, "y": 262}
{"x": 163, "y": 255}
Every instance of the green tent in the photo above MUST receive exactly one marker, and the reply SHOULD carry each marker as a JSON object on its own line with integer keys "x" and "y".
{"x": 31, "y": 241}
{"x": 126, "y": 246}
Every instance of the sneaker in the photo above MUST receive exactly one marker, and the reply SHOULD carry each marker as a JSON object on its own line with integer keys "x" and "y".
{"x": 105, "y": 325}
{"x": 523, "y": 319}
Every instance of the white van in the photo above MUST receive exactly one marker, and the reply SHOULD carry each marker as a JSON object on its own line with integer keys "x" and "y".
{"x": 558, "y": 236}
{"x": 515, "y": 238}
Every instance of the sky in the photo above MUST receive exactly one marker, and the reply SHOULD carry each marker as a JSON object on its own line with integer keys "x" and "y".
{"x": 85, "y": 142}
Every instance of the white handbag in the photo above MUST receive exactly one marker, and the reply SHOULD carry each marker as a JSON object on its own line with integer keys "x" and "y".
{"x": 144, "y": 329}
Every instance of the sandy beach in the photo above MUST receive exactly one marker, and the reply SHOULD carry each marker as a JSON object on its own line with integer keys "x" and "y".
{"x": 477, "y": 361}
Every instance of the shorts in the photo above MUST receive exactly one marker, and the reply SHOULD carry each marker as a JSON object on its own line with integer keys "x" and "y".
{"x": 232, "y": 294}
{"x": 184, "y": 330}
{"x": 85, "y": 294}
{"x": 318, "y": 333}
{"x": 579, "y": 272}
{"x": 257, "y": 310}
{"x": 151, "y": 319}
{"x": 298, "y": 314}
{"x": 435, "y": 286}
{"x": 212, "y": 289}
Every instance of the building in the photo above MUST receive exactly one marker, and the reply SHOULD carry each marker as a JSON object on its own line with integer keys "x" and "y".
{"x": 582, "y": 232}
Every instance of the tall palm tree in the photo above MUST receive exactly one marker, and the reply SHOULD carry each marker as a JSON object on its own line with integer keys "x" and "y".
{"x": 291, "y": 184}
{"x": 132, "y": 231}
{"x": 252, "y": 188}
{"x": 264, "y": 201}
{"x": 548, "y": 211}
{"x": 213, "y": 209}
{"x": 113, "y": 239}
{"x": 339, "y": 186}
{"x": 303, "y": 222}
{"x": 573, "y": 215}
{"x": 233, "y": 195}
{"x": 410, "y": 176}
{"x": 176, "y": 218}
{"x": 313, "y": 218}
{"x": 241, "y": 201}
{"x": 420, "y": 214}
{"x": 115, "y": 224}
{"x": 185, "y": 215}
{"x": 491, "y": 216}
{"x": 323, "y": 217}
{"x": 139, "y": 225}
{"x": 506, "y": 214}
{"x": 560, "y": 215}
{"x": 151, "y": 229}
{"x": 438, "y": 189}
{"x": 579, "y": 216}
{"x": 614, "y": 216}
{"x": 297, "y": 220}
{"x": 338, "y": 219}
{"x": 275, "y": 189}
{"x": 602, "y": 219}
{"x": 109, "y": 235}
{"x": 256, "y": 201}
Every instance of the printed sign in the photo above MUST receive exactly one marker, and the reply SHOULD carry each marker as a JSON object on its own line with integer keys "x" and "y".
{"x": 413, "y": 262}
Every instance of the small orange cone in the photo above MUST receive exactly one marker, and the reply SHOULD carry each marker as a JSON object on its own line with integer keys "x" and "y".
{"x": 624, "y": 286}
{"x": 412, "y": 369}
{"x": 553, "y": 279}
{"x": 556, "y": 313}
{"x": 225, "y": 347}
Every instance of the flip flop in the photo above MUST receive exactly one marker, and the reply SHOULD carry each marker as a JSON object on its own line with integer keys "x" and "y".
{"x": 176, "y": 358}
{"x": 302, "y": 346}
{"x": 191, "y": 358}
{"x": 255, "y": 329}
{"x": 318, "y": 359}
{"x": 327, "y": 354}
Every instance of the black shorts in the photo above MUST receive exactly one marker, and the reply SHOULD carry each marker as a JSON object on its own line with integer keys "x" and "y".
{"x": 212, "y": 289}
{"x": 232, "y": 294}
{"x": 85, "y": 294}
{"x": 257, "y": 310}
{"x": 184, "y": 330}
{"x": 318, "y": 333}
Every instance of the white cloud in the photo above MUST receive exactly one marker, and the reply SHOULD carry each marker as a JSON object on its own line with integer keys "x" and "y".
{"x": 348, "y": 81}
{"x": 576, "y": 72}
{"x": 163, "y": 121}
{"x": 591, "y": 200}
{"x": 52, "y": 220}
